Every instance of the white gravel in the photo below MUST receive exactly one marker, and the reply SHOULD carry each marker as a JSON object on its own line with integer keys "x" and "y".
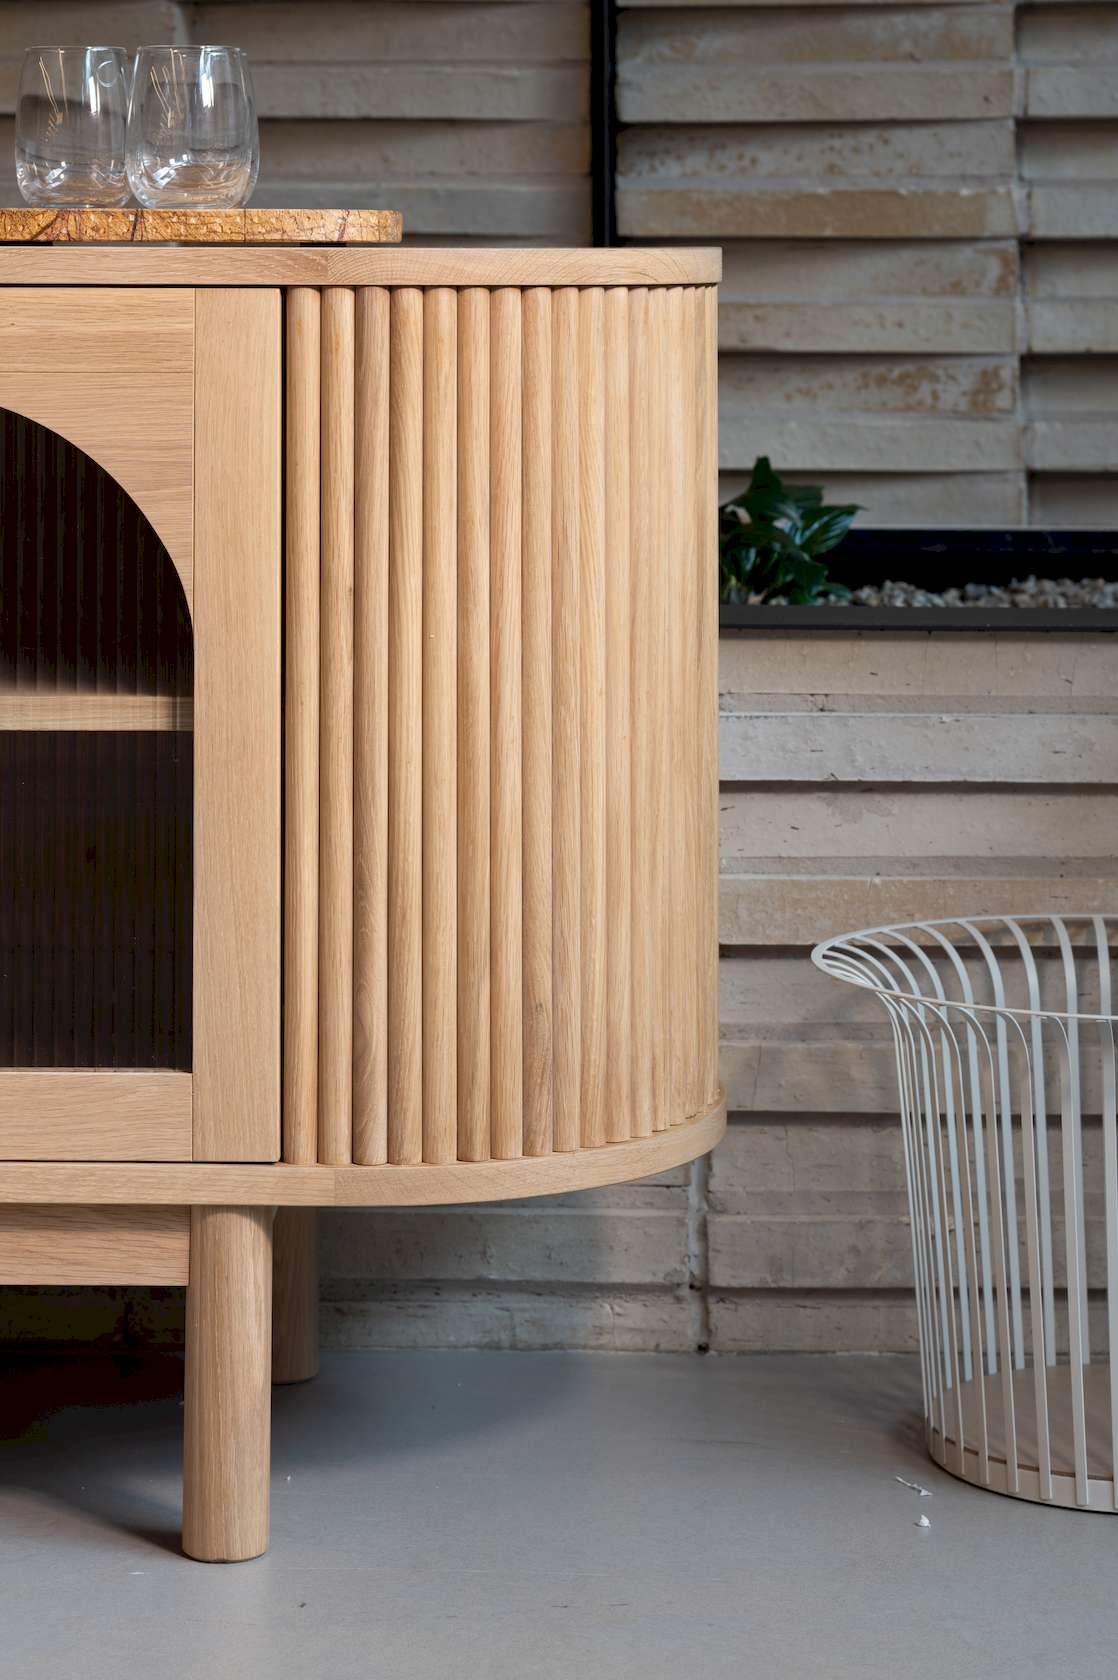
{"x": 1022, "y": 592}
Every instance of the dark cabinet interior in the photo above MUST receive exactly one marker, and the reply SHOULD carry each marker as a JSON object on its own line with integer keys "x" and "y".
{"x": 96, "y": 681}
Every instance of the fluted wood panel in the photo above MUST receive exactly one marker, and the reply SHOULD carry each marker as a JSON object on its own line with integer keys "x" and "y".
{"x": 370, "y": 730}
{"x": 531, "y": 706}
{"x": 301, "y": 680}
{"x": 405, "y": 717}
{"x": 335, "y": 822}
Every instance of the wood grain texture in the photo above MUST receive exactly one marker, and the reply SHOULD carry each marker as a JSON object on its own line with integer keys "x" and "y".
{"x": 540, "y": 454}
{"x": 69, "y": 358}
{"x": 682, "y": 647}
{"x": 592, "y": 716}
{"x": 73, "y": 265}
{"x": 656, "y": 812}
{"x": 618, "y": 716}
{"x": 93, "y": 1245}
{"x": 122, "y": 329}
{"x": 133, "y": 226}
{"x": 294, "y": 1295}
{"x": 227, "y": 1418}
{"x": 237, "y": 713}
{"x": 566, "y": 914}
{"x": 405, "y": 745}
{"x": 301, "y": 727}
{"x": 536, "y": 634}
{"x": 43, "y": 711}
{"x": 199, "y": 1185}
{"x": 88, "y": 1115}
{"x": 506, "y": 1090}
{"x": 473, "y": 815}
{"x": 370, "y": 729}
{"x": 706, "y": 703}
{"x": 643, "y": 678}
{"x": 335, "y": 817}
{"x": 440, "y": 708}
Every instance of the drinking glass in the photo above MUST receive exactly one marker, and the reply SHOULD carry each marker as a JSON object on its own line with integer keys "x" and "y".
{"x": 192, "y": 134}
{"x": 71, "y": 114}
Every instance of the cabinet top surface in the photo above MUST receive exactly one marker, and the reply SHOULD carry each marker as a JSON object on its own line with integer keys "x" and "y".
{"x": 136, "y": 263}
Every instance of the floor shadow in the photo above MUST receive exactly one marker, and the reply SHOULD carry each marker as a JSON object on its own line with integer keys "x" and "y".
{"x": 68, "y": 1421}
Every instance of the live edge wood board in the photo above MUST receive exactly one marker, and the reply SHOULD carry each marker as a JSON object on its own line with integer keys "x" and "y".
{"x": 414, "y": 554}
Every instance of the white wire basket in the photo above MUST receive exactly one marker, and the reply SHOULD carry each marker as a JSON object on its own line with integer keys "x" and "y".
{"x": 1005, "y": 1048}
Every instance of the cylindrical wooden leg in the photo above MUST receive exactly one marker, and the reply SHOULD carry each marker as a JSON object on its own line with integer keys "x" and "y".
{"x": 295, "y": 1295}
{"x": 228, "y": 1391}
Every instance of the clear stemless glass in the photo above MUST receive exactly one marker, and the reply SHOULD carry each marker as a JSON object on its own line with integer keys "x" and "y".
{"x": 70, "y": 126}
{"x": 192, "y": 134}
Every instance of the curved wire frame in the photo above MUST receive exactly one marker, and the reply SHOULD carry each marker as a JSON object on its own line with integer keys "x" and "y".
{"x": 1003, "y": 1031}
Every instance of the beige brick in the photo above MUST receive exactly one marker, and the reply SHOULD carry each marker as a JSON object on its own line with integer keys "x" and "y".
{"x": 421, "y": 92}
{"x": 1064, "y": 503}
{"x": 902, "y": 831}
{"x": 126, "y": 23}
{"x": 533, "y": 210}
{"x": 750, "y": 5}
{"x": 1080, "y": 387}
{"x": 808, "y": 1167}
{"x": 786, "y": 997}
{"x": 780, "y": 1321}
{"x": 729, "y": 42}
{"x": 452, "y": 152}
{"x": 1071, "y": 271}
{"x": 1071, "y": 151}
{"x": 815, "y": 213}
{"x": 1024, "y": 749}
{"x": 783, "y": 998}
{"x": 338, "y": 32}
{"x": 601, "y": 1319}
{"x": 816, "y": 1252}
{"x": 979, "y": 324}
{"x": 765, "y": 1078}
{"x": 965, "y": 386}
{"x": 1086, "y": 325}
{"x": 763, "y": 909}
{"x": 1067, "y": 33}
{"x": 917, "y": 671}
{"x": 1074, "y": 445}
{"x": 509, "y": 1243}
{"x": 824, "y": 154}
{"x": 687, "y": 93}
{"x": 776, "y": 271}
{"x": 1059, "y": 91}
{"x": 830, "y": 444}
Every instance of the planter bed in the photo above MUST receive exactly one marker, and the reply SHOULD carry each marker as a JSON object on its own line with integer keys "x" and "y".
{"x": 952, "y": 559}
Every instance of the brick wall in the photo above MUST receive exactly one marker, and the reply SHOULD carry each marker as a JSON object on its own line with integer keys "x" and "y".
{"x": 919, "y": 205}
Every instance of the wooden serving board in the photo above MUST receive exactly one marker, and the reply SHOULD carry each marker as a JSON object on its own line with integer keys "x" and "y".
{"x": 27, "y": 226}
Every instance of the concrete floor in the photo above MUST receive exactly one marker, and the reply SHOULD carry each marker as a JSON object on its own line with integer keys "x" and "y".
{"x": 517, "y": 1516}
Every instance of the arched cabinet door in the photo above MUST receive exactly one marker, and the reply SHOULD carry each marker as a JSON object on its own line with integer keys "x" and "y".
{"x": 139, "y": 734}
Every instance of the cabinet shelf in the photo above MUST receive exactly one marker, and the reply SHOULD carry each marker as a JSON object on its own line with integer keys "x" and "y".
{"x": 51, "y": 711}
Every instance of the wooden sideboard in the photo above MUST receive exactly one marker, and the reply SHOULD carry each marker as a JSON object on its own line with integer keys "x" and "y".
{"x": 358, "y": 774}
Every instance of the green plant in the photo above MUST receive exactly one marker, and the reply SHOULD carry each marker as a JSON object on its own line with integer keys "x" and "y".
{"x": 770, "y": 539}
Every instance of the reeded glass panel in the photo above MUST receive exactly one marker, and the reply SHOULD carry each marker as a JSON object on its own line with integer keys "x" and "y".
{"x": 96, "y": 679}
